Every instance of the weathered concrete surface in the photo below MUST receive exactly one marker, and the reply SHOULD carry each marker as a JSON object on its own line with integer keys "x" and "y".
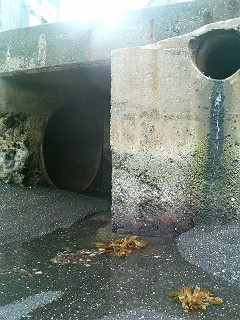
{"x": 15, "y": 147}
{"x": 60, "y": 45}
{"x": 57, "y": 65}
{"x": 174, "y": 137}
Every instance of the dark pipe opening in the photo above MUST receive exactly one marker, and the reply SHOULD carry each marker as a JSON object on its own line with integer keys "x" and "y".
{"x": 72, "y": 148}
{"x": 217, "y": 53}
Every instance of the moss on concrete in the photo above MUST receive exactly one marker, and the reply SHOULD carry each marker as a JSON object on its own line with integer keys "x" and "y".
{"x": 195, "y": 185}
{"x": 214, "y": 194}
{"x": 230, "y": 179}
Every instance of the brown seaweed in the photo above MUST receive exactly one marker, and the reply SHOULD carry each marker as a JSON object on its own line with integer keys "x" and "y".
{"x": 122, "y": 247}
{"x": 195, "y": 298}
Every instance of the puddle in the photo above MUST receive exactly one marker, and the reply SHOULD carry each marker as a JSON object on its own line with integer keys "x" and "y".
{"x": 128, "y": 288}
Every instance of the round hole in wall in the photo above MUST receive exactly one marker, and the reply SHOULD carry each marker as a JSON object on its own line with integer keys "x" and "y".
{"x": 217, "y": 53}
{"x": 72, "y": 148}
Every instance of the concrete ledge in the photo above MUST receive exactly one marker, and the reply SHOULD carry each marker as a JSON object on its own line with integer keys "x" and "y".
{"x": 66, "y": 45}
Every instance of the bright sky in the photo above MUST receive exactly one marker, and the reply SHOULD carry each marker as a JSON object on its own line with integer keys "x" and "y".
{"x": 83, "y": 10}
{"x": 95, "y": 9}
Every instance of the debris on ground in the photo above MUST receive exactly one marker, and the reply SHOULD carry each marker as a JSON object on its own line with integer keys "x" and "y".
{"x": 81, "y": 256}
{"x": 5, "y": 271}
{"x": 122, "y": 247}
{"x": 118, "y": 248}
{"x": 21, "y": 272}
{"x": 195, "y": 298}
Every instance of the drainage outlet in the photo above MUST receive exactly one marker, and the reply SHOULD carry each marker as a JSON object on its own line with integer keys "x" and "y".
{"x": 216, "y": 53}
{"x": 72, "y": 149}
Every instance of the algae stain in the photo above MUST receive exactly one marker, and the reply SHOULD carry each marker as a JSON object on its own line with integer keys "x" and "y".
{"x": 230, "y": 190}
{"x": 214, "y": 174}
{"x": 197, "y": 176}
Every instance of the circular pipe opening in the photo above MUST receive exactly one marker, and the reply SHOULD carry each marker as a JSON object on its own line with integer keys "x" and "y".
{"x": 217, "y": 53}
{"x": 72, "y": 148}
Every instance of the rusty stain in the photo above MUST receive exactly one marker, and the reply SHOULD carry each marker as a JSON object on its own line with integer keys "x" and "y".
{"x": 89, "y": 44}
{"x": 151, "y": 31}
{"x": 207, "y": 17}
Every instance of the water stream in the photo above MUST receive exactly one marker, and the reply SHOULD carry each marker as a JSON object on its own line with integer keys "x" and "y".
{"x": 214, "y": 168}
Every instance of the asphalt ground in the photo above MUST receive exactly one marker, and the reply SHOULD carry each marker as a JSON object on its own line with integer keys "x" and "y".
{"x": 215, "y": 249}
{"x": 29, "y": 212}
{"x": 38, "y": 223}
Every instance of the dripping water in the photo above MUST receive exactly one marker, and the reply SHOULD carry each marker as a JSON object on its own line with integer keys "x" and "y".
{"x": 214, "y": 168}
{"x": 216, "y": 123}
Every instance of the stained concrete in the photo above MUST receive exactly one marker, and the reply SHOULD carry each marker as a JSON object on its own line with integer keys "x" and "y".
{"x": 52, "y": 66}
{"x": 174, "y": 136}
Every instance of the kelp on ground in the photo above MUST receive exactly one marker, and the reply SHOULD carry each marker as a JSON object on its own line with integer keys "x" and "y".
{"x": 122, "y": 247}
{"x": 195, "y": 298}
{"x": 119, "y": 248}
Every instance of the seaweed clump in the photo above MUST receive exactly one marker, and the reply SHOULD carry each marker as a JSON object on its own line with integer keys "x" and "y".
{"x": 122, "y": 247}
{"x": 118, "y": 248}
{"x": 195, "y": 298}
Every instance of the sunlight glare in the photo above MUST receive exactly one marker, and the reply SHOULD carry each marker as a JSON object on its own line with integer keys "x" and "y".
{"x": 96, "y": 9}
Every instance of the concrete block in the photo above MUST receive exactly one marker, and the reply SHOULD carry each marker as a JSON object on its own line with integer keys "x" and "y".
{"x": 175, "y": 131}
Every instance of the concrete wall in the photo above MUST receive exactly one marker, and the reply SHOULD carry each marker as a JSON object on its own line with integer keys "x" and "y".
{"x": 174, "y": 133}
{"x": 47, "y": 67}
{"x": 61, "y": 45}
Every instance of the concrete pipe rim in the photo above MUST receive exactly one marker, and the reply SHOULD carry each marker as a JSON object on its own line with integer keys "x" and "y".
{"x": 215, "y": 53}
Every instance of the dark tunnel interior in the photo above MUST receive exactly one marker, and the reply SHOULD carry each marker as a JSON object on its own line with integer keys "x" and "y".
{"x": 72, "y": 148}
{"x": 75, "y": 143}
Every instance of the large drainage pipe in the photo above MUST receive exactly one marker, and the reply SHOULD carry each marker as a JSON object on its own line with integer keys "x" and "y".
{"x": 216, "y": 53}
{"x": 72, "y": 149}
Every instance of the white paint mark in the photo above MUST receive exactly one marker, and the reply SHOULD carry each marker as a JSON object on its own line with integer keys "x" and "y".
{"x": 42, "y": 50}
{"x": 8, "y": 60}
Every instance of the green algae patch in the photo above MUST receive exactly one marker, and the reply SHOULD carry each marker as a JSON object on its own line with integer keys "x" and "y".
{"x": 230, "y": 179}
{"x": 213, "y": 185}
{"x": 195, "y": 184}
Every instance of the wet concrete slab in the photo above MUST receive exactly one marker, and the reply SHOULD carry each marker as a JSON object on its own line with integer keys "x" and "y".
{"x": 28, "y": 212}
{"x": 215, "y": 249}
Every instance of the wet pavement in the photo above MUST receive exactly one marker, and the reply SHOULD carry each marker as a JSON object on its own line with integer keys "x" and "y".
{"x": 31, "y": 287}
{"x": 27, "y": 212}
{"x": 221, "y": 246}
